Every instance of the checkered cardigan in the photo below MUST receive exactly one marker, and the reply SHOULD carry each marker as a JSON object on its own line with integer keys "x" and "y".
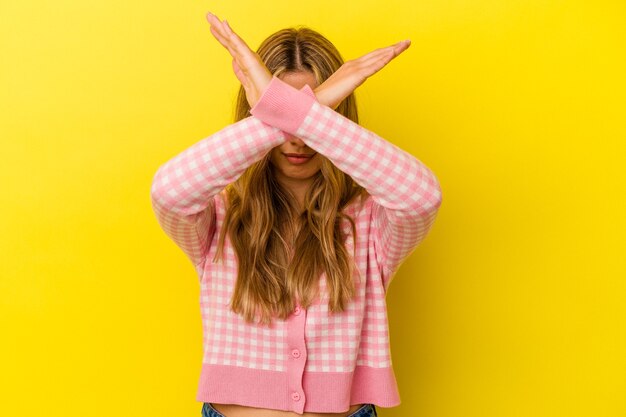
{"x": 313, "y": 361}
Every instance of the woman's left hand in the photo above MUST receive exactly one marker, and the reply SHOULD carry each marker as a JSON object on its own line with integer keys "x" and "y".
{"x": 353, "y": 73}
{"x": 247, "y": 65}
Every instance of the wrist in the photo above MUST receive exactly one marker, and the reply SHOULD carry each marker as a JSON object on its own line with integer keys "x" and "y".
{"x": 283, "y": 106}
{"x": 323, "y": 97}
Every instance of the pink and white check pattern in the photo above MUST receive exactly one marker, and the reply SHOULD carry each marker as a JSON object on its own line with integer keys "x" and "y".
{"x": 406, "y": 192}
{"x": 325, "y": 361}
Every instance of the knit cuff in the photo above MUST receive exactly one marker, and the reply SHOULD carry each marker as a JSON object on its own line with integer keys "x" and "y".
{"x": 283, "y": 106}
{"x": 307, "y": 89}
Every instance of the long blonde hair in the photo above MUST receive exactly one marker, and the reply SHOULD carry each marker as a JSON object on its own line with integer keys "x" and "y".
{"x": 261, "y": 213}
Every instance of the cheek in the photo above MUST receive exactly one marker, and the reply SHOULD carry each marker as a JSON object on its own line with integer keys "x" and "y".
{"x": 274, "y": 156}
{"x": 318, "y": 163}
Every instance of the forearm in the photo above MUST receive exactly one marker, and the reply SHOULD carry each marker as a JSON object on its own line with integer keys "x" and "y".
{"x": 185, "y": 183}
{"x": 183, "y": 188}
{"x": 395, "y": 178}
{"x": 406, "y": 191}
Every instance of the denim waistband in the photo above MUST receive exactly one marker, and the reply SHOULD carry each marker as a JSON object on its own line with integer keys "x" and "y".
{"x": 366, "y": 410}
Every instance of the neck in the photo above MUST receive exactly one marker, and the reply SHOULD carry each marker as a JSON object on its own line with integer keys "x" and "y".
{"x": 297, "y": 188}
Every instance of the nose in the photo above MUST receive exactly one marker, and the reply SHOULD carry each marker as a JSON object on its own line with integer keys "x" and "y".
{"x": 295, "y": 141}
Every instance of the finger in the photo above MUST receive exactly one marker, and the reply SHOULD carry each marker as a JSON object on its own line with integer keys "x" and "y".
{"x": 219, "y": 36}
{"x": 375, "y": 64}
{"x": 248, "y": 62}
{"x": 227, "y": 37}
{"x": 397, "y": 48}
{"x": 239, "y": 74}
{"x": 224, "y": 34}
{"x": 219, "y": 31}
{"x": 215, "y": 22}
{"x": 237, "y": 43}
{"x": 401, "y": 46}
{"x": 247, "y": 65}
{"x": 225, "y": 43}
{"x": 370, "y": 55}
{"x": 385, "y": 55}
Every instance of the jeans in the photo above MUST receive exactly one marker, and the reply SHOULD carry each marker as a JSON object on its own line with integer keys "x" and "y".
{"x": 367, "y": 410}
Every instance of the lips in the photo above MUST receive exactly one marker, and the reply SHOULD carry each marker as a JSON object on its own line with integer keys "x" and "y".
{"x": 298, "y": 158}
{"x": 300, "y": 155}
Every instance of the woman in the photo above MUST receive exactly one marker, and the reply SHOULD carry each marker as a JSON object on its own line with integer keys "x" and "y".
{"x": 296, "y": 219}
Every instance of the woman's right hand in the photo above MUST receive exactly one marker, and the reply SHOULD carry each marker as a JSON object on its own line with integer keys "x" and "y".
{"x": 247, "y": 65}
{"x": 354, "y": 73}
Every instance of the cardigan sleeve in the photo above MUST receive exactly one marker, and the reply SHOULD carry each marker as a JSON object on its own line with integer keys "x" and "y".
{"x": 406, "y": 193}
{"x": 184, "y": 188}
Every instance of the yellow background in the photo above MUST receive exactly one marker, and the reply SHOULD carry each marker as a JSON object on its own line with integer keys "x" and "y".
{"x": 513, "y": 306}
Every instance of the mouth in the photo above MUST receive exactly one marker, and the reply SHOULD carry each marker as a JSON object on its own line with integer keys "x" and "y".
{"x": 300, "y": 155}
{"x": 299, "y": 158}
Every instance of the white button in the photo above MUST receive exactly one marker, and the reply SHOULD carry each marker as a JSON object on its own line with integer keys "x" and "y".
{"x": 295, "y": 353}
{"x": 295, "y": 396}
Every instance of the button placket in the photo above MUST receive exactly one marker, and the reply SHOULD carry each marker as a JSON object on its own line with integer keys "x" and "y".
{"x": 296, "y": 358}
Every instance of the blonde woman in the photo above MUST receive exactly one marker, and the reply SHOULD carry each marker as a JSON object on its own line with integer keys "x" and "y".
{"x": 295, "y": 218}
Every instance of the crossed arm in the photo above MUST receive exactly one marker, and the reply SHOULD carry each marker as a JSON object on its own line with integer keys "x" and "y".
{"x": 407, "y": 194}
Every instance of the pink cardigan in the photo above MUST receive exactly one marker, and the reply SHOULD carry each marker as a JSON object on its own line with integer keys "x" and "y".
{"x": 313, "y": 361}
